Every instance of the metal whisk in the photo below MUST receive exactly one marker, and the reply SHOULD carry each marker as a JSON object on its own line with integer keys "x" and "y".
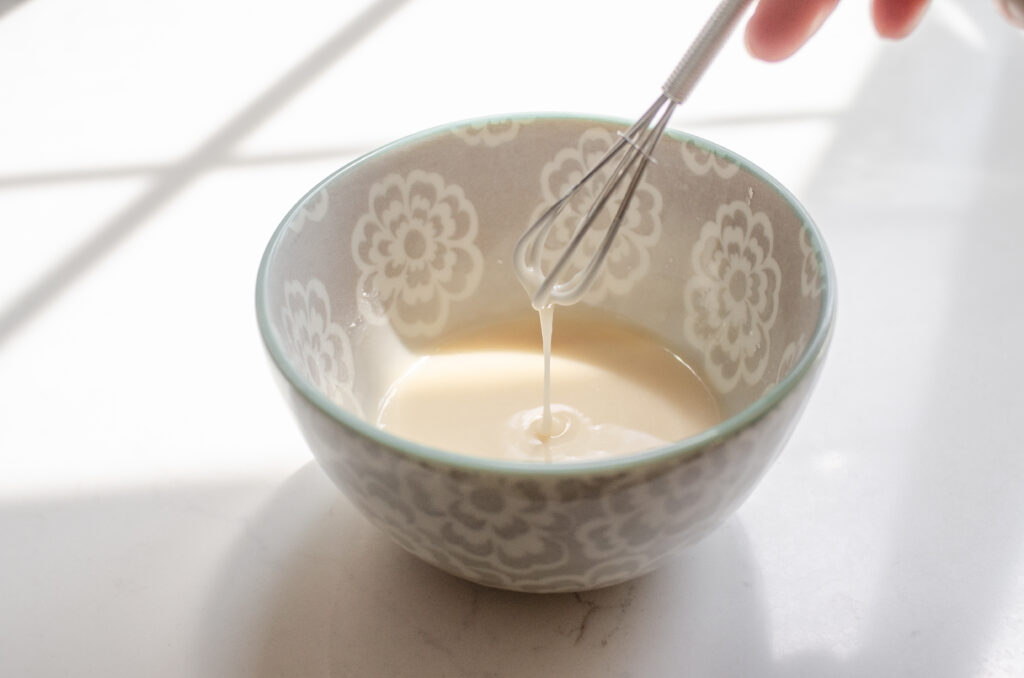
{"x": 636, "y": 144}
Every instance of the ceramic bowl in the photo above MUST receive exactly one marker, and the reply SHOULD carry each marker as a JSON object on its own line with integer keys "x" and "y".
{"x": 414, "y": 241}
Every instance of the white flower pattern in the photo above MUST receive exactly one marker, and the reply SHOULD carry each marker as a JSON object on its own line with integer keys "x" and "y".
{"x": 629, "y": 258}
{"x": 491, "y": 133}
{"x": 319, "y": 347}
{"x": 313, "y": 209}
{"x": 733, "y": 296}
{"x": 504, "y": 522}
{"x": 475, "y": 530}
{"x": 549, "y": 534}
{"x": 416, "y": 251}
{"x": 701, "y": 161}
{"x": 810, "y": 272}
{"x": 648, "y": 516}
{"x": 790, "y": 356}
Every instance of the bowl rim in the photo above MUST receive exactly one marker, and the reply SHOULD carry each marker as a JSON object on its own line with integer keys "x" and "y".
{"x": 677, "y": 450}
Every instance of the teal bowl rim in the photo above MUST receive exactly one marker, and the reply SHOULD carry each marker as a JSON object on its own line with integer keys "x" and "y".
{"x": 676, "y": 450}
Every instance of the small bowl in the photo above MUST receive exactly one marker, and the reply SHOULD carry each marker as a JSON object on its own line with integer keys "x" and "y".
{"x": 413, "y": 242}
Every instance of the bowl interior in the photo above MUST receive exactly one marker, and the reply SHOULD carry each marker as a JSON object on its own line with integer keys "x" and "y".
{"x": 414, "y": 242}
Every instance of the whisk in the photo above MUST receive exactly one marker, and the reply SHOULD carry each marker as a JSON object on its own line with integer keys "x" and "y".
{"x": 636, "y": 145}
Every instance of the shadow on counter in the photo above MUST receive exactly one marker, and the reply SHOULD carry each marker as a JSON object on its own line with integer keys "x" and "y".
{"x": 312, "y": 589}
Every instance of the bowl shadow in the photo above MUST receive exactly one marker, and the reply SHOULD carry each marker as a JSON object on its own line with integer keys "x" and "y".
{"x": 310, "y": 588}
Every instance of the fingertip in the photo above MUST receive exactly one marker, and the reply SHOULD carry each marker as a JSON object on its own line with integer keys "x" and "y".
{"x": 778, "y": 28}
{"x": 767, "y": 47}
{"x": 896, "y": 19}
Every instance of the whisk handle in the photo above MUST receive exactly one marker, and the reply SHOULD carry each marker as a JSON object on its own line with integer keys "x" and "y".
{"x": 704, "y": 48}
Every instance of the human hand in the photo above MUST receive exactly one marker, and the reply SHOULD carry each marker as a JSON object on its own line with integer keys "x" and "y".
{"x": 778, "y": 28}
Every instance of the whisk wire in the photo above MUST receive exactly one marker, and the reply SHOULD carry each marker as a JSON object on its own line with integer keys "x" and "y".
{"x": 638, "y": 143}
{"x": 639, "y": 155}
{"x": 529, "y": 249}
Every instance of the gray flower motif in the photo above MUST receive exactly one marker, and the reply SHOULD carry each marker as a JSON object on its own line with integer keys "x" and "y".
{"x": 487, "y": 522}
{"x": 396, "y": 495}
{"x": 732, "y": 299}
{"x": 416, "y": 252}
{"x": 810, "y": 271}
{"x": 313, "y": 209}
{"x": 490, "y": 134}
{"x": 318, "y": 347}
{"x": 702, "y": 161}
{"x": 790, "y": 357}
{"x": 628, "y": 529}
{"x": 470, "y": 529}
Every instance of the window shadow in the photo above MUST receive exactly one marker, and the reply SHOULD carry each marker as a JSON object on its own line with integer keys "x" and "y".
{"x": 8, "y": 5}
{"x": 87, "y": 174}
{"x": 173, "y": 179}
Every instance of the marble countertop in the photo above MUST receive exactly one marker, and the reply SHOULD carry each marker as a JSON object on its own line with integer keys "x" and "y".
{"x": 159, "y": 513}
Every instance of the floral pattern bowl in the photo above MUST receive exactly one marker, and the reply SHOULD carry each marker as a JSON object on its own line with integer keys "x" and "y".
{"x": 414, "y": 241}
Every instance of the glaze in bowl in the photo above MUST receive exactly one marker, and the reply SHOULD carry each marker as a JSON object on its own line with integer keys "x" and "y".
{"x": 413, "y": 242}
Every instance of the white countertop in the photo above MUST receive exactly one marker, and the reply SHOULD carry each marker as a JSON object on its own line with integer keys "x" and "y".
{"x": 159, "y": 513}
